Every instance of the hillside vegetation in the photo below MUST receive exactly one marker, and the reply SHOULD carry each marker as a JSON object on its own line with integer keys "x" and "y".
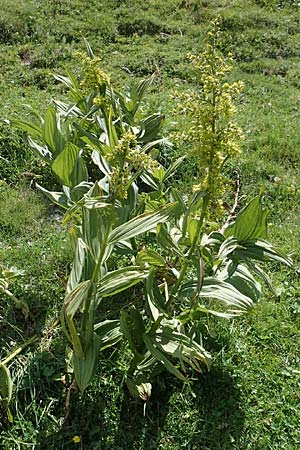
{"x": 250, "y": 398}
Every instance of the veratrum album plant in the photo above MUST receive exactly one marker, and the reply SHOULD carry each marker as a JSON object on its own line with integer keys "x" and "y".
{"x": 130, "y": 227}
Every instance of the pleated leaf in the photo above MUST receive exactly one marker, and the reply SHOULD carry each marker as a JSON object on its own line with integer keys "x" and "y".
{"x": 141, "y": 224}
{"x": 119, "y": 280}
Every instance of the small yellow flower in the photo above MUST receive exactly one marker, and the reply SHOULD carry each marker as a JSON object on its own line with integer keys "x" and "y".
{"x": 76, "y": 439}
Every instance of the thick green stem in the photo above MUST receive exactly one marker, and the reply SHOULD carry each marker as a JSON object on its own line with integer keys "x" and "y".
{"x": 186, "y": 263}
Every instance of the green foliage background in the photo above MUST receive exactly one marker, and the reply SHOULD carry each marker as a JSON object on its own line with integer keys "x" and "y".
{"x": 250, "y": 399}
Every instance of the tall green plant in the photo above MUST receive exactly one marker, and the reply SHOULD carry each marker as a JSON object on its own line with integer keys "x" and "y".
{"x": 187, "y": 272}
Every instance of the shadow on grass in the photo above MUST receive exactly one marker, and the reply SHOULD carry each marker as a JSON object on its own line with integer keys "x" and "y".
{"x": 207, "y": 415}
{"x": 204, "y": 415}
{"x": 139, "y": 431}
{"x": 221, "y": 418}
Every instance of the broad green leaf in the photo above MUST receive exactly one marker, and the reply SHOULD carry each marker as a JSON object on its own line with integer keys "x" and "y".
{"x": 141, "y": 224}
{"x": 192, "y": 225}
{"x": 166, "y": 241}
{"x": 69, "y": 328}
{"x": 182, "y": 347}
{"x": 150, "y": 145}
{"x": 225, "y": 293}
{"x": 161, "y": 357}
{"x": 155, "y": 299}
{"x": 133, "y": 328}
{"x": 29, "y": 127}
{"x": 84, "y": 368}
{"x": 193, "y": 206}
{"x": 228, "y": 246}
{"x": 6, "y": 386}
{"x": 137, "y": 92}
{"x": 51, "y": 132}
{"x": 64, "y": 165}
{"x": 150, "y": 127}
{"x": 245, "y": 283}
{"x": 150, "y": 257}
{"x": 112, "y": 133}
{"x": 261, "y": 250}
{"x": 119, "y": 280}
{"x": 172, "y": 169}
{"x": 76, "y": 298}
{"x": 261, "y": 274}
{"x": 250, "y": 223}
{"x": 59, "y": 198}
{"x": 176, "y": 196}
{"x": 95, "y": 228}
{"x": 79, "y": 173}
{"x": 109, "y": 333}
{"x": 79, "y": 267}
{"x": 80, "y": 190}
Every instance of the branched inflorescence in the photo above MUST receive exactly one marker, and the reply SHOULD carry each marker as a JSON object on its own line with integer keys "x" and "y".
{"x": 213, "y": 134}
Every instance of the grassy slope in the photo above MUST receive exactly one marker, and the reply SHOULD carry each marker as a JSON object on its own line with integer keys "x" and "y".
{"x": 250, "y": 399}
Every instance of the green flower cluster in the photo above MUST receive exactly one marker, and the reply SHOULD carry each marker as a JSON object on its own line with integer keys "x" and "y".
{"x": 213, "y": 135}
{"x": 94, "y": 79}
{"x": 127, "y": 158}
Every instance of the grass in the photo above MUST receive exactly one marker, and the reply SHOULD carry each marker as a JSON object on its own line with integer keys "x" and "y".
{"x": 250, "y": 398}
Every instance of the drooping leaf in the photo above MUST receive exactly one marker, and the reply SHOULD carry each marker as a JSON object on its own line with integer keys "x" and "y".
{"x": 119, "y": 280}
{"x": 235, "y": 302}
{"x": 76, "y": 297}
{"x": 261, "y": 250}
{"x": 150, "y": 257}
{"x": 181, "y": 346}
{"x": 42, "y": 152}
{"x": 173, "y": 167}
{"x": 245, "y": 283}
{"x": 29, "y": 127}
{"x": 141, "y": 224}
{"x": 59, "y": 198}
{"x": 166, "y": 241}
{"x": 109, "y": 333}
{"x": 228, "y": 246}
{"x": 160, "y": 356}
{"x": 150, "y": 127}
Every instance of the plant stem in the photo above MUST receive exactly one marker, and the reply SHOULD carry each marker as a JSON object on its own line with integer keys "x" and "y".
{"x": 19, "y": 350}
{"x": 19, "y": 303}
{"x": 191, "y": 251}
